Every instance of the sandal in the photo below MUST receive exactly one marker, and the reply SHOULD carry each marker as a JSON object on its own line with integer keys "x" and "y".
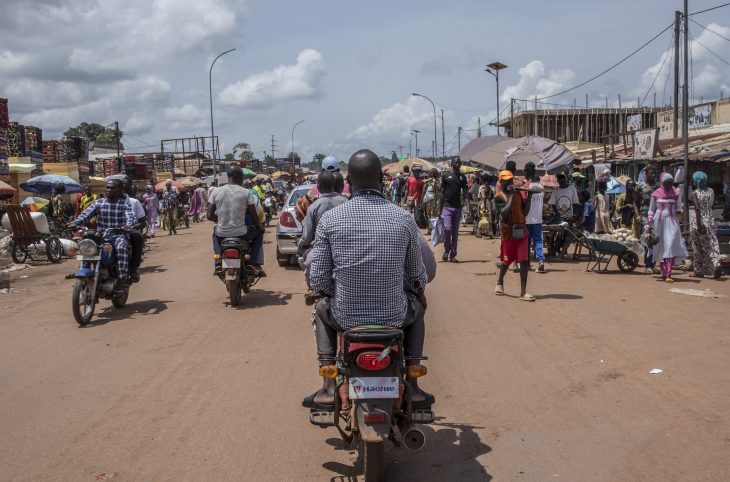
{"x": 499, "y": 290}
{"x": 669, "y": 280}
{"x": 527, "y": 297}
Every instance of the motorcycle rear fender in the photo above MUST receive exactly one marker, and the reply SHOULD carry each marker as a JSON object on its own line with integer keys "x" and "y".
{"x": 374, "y": 432}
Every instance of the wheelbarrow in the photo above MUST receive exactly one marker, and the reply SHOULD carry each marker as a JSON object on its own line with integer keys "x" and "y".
{"x": 603, "y": 251}
{"x": 31, "y": 235}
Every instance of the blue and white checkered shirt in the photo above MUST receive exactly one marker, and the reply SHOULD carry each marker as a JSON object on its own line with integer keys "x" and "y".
{"x": 365, "y": 253}
{"x": 109, "y": 215}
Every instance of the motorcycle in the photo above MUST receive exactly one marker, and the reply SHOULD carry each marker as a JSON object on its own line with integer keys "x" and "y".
{"x": 373, "y": 399}
{"x": 268, "y": 208}
{"x": 96, "y": 277}
{"x": 237, "y": 274}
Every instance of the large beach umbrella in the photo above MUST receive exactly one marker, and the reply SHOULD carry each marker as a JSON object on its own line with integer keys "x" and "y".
{"x": 190, "y": 181}
{"x": 546, "y": 154}
{"x": 410, "y": 162}
{"x": 44, "y": 185}
{"x": 160, "y": 186}
{"x": 7, "y": 191}
{"x": 34, "y": 203}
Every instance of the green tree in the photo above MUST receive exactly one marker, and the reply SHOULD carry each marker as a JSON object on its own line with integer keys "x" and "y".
{"x": 318, "y": 158}
{"x": 243, "y": 151}
{"x": 93, "y": 132}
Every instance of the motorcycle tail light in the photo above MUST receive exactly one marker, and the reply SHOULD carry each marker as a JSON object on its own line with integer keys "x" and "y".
{"x": 374, "y": 418}
{"x": 87, "y": 247}
{"x": 416, "y": 371}
{"x": 231, "y": 253}
{"x": 287, "y": 220}
{"x": 369, "y": 361}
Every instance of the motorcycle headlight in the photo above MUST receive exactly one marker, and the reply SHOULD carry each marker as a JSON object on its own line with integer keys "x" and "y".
{"x": 88, "y": 247}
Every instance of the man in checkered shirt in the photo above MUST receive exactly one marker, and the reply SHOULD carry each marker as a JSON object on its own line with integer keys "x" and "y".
{"x": 113, "y": 211}
{"x": 367, "y": 261}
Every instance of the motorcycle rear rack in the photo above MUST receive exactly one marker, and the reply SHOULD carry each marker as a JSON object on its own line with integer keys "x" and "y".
{"x": 322, "y": 418}
{"x": 423, "y": 416}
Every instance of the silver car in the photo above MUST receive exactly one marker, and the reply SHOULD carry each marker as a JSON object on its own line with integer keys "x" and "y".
{"x": 289, "y": 229}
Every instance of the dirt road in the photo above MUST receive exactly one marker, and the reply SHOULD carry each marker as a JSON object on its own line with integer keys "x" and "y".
{"x": 180, "y": 386}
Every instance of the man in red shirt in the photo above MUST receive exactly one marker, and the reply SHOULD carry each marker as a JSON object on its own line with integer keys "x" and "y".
{"x": 414, "y": 186}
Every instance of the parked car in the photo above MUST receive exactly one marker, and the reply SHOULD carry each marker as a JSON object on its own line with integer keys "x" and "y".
{"x": 289, "y": 229}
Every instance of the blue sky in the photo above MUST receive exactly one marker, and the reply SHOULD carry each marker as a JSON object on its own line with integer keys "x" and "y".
{"x": 348, "y": 68}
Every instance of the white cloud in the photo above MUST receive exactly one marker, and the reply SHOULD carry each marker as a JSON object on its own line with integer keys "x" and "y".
{"x": 395, "y": 122}
{"x": 302, "y": 80}
{"x": 186, "y": 114}
{"x": 535, "y": 81}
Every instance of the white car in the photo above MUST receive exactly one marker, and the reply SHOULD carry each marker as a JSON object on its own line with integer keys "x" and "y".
{"x": 289, "y": 229}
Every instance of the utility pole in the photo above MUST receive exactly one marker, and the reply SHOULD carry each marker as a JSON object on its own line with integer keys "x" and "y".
{"x": 496, "y": 66}
{"x": 415, "y": 133}
{"x": 479, "y": 127}
{"x": 410, "y": 150}
{"x": 675, "y": 116}
{"x": 512, "y": 117}
{"x": 535, "y": 131}
{"x": 443, "y": 136}
{"x": 119, "y": 156}
{"x": 685, "y": 117}
{"x": 619, "y": 101}
{"x": 400, "y": 148}
{"x": 273, "y": 147}
{"x": 458, "y": 133}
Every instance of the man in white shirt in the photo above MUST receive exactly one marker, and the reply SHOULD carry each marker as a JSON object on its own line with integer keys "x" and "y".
{"x": 136, "y": 240}
{"x": 228, "y": 206}
{"x": 534, "y": 216}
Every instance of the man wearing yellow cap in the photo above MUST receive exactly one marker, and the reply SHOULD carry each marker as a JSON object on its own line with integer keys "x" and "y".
{"x": 514, "y": 237}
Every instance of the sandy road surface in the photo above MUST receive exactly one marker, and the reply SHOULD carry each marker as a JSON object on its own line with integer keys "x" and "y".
{"x": 180, "y": 386}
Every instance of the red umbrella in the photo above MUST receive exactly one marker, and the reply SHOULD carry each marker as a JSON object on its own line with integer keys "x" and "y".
{"x": 160, "y": 186}
{"x": 7, "y": 191}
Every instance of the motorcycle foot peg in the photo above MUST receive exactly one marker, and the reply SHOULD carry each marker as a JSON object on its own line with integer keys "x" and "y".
{"x": 414, "y": 439}
{"x": 423, "y": 416}
{"x": 322, "y": 418}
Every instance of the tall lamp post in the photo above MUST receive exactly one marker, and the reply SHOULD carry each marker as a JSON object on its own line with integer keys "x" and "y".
{"x": 292, "y": 139}
{"x": 210, "y": 91}
{"x": 415, "y": 133}
{"x": 496, "y": 66}
{"x": 435, "y": 146}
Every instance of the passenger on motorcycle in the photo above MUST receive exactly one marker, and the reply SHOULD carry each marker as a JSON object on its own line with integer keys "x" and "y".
{"x": 113, "y": 212}
{"x": 328, "y": 199}
{"x": 228, "y": 206}
{"x": 374, "y": 248}
{"x": 136, "y": 240}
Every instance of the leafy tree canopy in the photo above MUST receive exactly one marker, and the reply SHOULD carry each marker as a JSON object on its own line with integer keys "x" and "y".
{"x": 93, "y": 132}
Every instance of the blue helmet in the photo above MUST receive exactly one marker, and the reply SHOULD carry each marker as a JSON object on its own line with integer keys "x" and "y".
{"x": 330, "y": 163}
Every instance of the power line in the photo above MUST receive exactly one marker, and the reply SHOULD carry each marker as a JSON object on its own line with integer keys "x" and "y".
{"x": 711, "y": 51}
{"x": 611, "y": 67}
{"x": 710, "y": 30}
{"x": 710, "y": 9}
{"x": 666, "y": 55}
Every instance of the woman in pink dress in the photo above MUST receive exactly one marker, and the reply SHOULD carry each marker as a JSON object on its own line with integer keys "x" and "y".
{"x": 666, "y": 204}
{"x": 152, "y": 204}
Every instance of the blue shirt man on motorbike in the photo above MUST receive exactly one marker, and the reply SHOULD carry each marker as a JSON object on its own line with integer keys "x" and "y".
{"x": 114, "y": 212}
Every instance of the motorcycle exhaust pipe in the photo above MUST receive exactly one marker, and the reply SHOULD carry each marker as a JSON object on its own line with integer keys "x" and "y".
{"x": 414, "y": 439}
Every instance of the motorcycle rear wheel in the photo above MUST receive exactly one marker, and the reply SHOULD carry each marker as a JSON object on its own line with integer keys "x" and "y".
{"x": 121, "y": 301}
{"x": 83, "y": 302}
{"x": 234, "y": 292}
{"x": 54, "y": 250}
{"x": 374, "y": 461}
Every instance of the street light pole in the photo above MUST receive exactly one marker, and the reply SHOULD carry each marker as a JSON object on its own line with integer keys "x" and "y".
{"x": 496, "y": 66}
{"x": 415, "y": 133}
{"x": 435, "y": 146}
{"x": 292, "y": 140}
{"x": 210, "y": 91}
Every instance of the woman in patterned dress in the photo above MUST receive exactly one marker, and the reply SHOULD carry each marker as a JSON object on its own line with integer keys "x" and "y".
{"x": 706, "y": 250}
